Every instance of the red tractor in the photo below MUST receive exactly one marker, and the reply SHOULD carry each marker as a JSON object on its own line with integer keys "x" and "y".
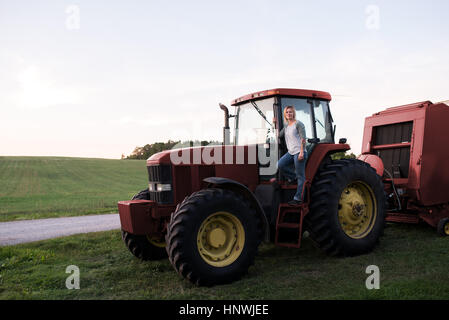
{"x": 407, "y": 146}
{"x": 208, "y": 208}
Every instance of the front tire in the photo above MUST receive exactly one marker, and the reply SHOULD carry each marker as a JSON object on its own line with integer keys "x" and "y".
{"x": 443, "y": 227}
{"x": 142, "y": 246}
{"x": 347, "y": 211}
{"x": 213, "y": 237}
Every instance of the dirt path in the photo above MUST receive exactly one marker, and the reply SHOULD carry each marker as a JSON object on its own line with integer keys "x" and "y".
{"x": 16, "y": 232}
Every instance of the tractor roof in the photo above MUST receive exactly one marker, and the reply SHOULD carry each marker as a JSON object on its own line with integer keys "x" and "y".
{"x": 283, "y": 92}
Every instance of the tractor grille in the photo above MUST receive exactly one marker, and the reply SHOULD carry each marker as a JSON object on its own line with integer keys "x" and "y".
{"x": 160, "y": 174}
{"x": 162, "y": 197}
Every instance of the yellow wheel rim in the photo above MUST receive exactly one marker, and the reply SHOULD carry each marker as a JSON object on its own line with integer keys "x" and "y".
{"x": 357, "y": 210}
{"x": 220, "y": 239}
{"x": 446, "y": 228}
{"x": 156, "y": 242}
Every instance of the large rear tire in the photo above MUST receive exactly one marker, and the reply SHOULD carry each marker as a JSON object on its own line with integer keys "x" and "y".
{"x": 142, "y": 246}
{"x": 347, "y": 210}
{"x": 213, "y": 237}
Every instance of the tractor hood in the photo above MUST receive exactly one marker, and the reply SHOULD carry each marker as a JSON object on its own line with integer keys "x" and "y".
{"x": 206, "y": 155}
{"x": 191, "y": 165}
{"x": 166, "y": 156}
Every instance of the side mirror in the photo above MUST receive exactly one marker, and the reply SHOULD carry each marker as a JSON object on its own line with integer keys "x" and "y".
{"x": 313, "y": 140}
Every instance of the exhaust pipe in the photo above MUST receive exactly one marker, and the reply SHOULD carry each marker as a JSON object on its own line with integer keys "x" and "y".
{"x": 226, "y": 133}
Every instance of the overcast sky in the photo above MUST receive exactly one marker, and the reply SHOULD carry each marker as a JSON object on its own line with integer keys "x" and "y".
{"x": 98, "y": 78}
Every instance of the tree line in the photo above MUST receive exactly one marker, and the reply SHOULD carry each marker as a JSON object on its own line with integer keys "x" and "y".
{"x": 143, "y": 153}
{"x": 343, "y": 155}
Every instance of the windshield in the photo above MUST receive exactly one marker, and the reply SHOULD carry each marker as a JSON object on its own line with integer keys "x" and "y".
{"x": 323, "y": 121}
{"x": 251, "y": 127}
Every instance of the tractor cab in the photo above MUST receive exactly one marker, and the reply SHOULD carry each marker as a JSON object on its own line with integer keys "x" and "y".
{"x": 259, "y": 119}
{"x": 258, "y": 115}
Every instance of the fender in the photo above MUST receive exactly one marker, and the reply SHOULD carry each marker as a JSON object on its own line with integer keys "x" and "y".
{"x": 374, "y": 161}
{"x": 321, "y": 151}
{"x": 224, "y": 183}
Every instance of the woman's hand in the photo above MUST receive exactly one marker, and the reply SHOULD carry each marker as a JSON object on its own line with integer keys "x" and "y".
{"x": 301, "y": 156}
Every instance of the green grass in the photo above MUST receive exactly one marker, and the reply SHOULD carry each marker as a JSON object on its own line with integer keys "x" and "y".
{"x": 43, "y": 187}
{"x": 412, "y": 259}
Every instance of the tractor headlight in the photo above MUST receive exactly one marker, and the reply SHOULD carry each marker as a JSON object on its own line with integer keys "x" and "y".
{"x": 151, "y": 187}
{"x": 163, "y": 187}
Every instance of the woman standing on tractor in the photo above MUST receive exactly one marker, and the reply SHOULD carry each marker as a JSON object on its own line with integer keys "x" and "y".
{"x": 295, "y": 138}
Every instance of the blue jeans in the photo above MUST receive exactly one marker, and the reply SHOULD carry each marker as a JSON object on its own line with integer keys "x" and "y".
{"x": 285, "y": 164}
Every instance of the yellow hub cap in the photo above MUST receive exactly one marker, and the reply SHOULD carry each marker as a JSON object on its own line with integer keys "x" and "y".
{"x": 220, "y": 239}
{"x": 357, "y": 210}
{"x": 156, "y": 242}
{"x": 446, "y": 228}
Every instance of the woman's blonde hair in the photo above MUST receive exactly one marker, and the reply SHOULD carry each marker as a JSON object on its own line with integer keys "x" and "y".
{"x": 294, "y": 112}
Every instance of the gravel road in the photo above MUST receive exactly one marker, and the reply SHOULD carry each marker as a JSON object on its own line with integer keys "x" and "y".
{"x": 15, "y": 232}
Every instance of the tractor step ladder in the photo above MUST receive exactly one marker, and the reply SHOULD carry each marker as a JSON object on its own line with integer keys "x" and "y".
{"x": 298, "y": 213}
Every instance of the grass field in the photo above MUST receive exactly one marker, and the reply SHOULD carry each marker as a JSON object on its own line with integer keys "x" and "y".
{"x": 43, "y": 187}
{"x": 412, "y": 259}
